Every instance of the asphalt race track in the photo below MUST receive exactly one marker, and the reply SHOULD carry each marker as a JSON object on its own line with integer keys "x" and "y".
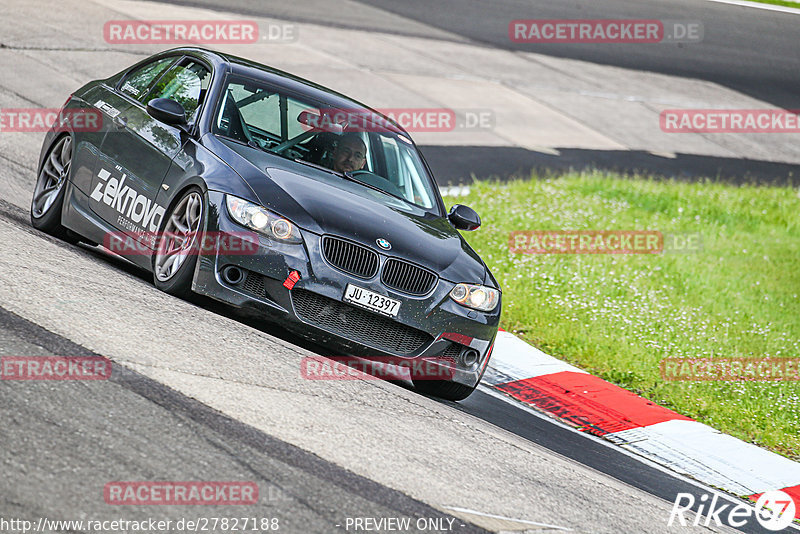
{"x": 746, "y": 49}
{"x": 199, "y": 391}
{"x": 136, "y": 428}
{"x": 152, "y": 429}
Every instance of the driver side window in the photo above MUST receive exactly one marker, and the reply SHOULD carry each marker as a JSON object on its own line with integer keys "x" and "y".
{"x": 253, "y": 113}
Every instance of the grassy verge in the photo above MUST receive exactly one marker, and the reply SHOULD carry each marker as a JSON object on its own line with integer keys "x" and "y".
{"x": 778, "y": 3}
{"x": 617, "y": 316}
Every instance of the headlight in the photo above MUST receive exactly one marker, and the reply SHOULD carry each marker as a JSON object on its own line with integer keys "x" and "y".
{"x": 474, "y": 296}
{"x": 262, "y": 220}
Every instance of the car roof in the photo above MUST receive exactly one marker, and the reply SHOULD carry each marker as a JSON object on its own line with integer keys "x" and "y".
{"x": 281, "y": 79}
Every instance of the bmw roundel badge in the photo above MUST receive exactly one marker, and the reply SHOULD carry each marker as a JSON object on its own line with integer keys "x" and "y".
{"x": 385, "y": 245}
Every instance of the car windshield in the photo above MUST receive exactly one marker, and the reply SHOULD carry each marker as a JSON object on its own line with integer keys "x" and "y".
{"x": 358, "y": 144}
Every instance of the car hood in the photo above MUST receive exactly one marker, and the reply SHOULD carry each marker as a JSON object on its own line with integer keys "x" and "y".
{"x": 323, "y": 203}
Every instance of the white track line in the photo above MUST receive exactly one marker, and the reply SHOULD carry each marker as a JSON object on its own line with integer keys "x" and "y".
{"x": 502, "y": 517}
{"x": 756, "y": 5}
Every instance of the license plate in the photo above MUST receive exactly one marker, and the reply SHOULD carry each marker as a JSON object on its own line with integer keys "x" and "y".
{"x": 371, "y": 300}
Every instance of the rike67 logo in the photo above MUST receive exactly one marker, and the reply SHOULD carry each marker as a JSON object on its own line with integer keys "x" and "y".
{"x": 774, "y": 510}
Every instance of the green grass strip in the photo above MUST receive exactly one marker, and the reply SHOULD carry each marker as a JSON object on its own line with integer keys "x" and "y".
{"x": 618, "y": 316}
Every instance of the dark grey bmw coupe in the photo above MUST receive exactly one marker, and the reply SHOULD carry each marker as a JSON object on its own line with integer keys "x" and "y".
{"x": 347, "y": 239}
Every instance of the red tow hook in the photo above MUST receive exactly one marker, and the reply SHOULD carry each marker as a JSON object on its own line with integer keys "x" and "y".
{"x": 291, "y": 280}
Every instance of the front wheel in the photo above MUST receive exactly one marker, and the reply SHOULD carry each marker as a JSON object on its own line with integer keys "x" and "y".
{"x": 444, "y": 389}
{"x": 178, "y": 244}
{"x": 48, "y": 194}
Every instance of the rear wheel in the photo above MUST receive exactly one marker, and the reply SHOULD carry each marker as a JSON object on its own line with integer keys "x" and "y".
{"x": 48, "y": 194}
{"x": 178, "y": 243}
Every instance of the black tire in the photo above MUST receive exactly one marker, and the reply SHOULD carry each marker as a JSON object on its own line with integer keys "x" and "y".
{"x": 178, "y": 282}
{"x": 444, "y": 389}
{"x": 47, "y": 201}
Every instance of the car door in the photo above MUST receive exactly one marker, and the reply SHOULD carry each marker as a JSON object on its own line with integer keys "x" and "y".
{"x": 105, "y": 191}
{"x": 138, "y": 150}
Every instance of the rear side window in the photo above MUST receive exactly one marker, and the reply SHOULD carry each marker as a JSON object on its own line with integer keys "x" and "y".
{"x": 139, "y": 81}
{"x": 186, "y": 83}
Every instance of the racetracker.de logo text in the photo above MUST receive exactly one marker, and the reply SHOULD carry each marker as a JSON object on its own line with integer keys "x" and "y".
{"x": 180, "y": 493}
{"x": 180, "y": 31}
{"x": 55, "y": 368}
{"x": 380, "y": 368}
{"x": 730, "y": 121}
{"x": 605, "y": 31}
{"x": 43, "y": 119}
{"x": 586, "y": 242}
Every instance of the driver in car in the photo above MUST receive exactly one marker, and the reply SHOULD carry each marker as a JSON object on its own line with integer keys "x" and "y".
{"x": 350, "y": 154}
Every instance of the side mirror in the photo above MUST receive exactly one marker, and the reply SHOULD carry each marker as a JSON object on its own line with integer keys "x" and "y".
{"x": 167, "y": 111}
{"x": 464, "y": 218}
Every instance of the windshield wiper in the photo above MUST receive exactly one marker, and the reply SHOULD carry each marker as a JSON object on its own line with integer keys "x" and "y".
{"x": 318, "y": 167}
{"x": 350, "y": 177}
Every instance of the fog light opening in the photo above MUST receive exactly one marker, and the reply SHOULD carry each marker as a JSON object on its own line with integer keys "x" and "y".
{"x": 469, "y": 357}
{"x": 232, "y": 275}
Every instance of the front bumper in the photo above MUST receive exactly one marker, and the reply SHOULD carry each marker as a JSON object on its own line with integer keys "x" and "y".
{"x": 431, "y": 327}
